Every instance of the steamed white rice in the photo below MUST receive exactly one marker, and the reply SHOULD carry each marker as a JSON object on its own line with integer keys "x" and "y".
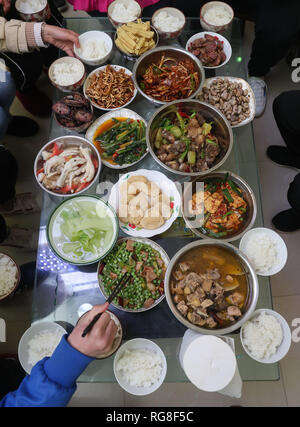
{"x": 93, "y": 49}
{"x": 262, "y": 335}
{"x": 163, "y": 21}
{"x": 65, "y": 73}
{"x": 31, "y": 6}
{"x": 43, "y": 345}
{"x": 262, "y": 252}
{"x": 217, "y": 15}
{"x": 140, "y": 367}
{"x": 8, "y": 275}
{"x": 125, "y": 12}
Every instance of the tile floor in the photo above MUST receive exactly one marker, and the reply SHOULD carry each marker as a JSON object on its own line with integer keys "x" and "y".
{"x": 285, "y": 285}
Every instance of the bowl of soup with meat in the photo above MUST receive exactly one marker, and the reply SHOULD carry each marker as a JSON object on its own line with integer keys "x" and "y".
{"x": 211, "y": 287}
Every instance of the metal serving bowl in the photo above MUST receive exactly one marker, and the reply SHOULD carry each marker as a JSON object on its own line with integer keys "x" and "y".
{"x": 253, "y": 287}
{"x": 247, "y": 193}
{"x": 133, "y": 57}
{"x": 153, "y": 56}
{"x": 209, "y": 112}
{"x": 64, "y": 142}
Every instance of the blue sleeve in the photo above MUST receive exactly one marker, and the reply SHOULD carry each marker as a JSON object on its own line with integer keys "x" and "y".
{"x": 52, "y": 381}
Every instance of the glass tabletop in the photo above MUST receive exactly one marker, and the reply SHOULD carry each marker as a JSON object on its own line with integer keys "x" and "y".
{"x": 63, "y": 290}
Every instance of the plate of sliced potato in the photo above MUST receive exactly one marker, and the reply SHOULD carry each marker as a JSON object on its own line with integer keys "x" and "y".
{"x": 147, "y": 202}
{"x": 135, "y": 38}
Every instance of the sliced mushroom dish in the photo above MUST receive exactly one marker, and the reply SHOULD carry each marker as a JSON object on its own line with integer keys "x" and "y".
{"x": 229, "y": 97}
{"x": 209, "y": 287}
{"x": 67, "y": 170}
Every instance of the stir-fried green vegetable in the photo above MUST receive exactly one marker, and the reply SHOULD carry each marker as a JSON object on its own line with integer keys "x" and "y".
{"x": 124, "y": 142}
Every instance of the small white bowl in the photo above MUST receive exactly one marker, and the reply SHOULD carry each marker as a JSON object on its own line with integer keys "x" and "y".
{"x": 30, "y": 333}
{"x": 110, "y": 9}
{"x": 212, "y": 27}
{"x": 17, "y": 276}
{"x": 117, "y": 68}
{"x": 166, "y": 185}
{"x": 38, "y": 16}
{"x": 226, "y": 46}
{"x": 69, "y": 60}
{"x": 139, "y": 343}
{"x": 99, "y": 36}
{"x": 283, "y": 348}
{"x": 281, "y": 248}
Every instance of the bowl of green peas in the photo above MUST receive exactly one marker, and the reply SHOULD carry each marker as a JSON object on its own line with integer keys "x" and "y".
{"x": 145, "y": 262}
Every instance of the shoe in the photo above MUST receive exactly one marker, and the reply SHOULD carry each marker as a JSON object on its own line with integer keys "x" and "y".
{"x": 288, "y": 220}
{"x": 36, "y": 102}
{"x": 259, "y": 88}
{"x": 21, "y": 237}
{"x": 22, "y": 126}
{"x": 283, "y": 156}
{"x": 61, "y": 5}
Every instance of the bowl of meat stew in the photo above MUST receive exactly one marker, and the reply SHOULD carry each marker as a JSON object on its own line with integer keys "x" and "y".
{"x": 211, "y": 287}
{"x": 189, "y": 137}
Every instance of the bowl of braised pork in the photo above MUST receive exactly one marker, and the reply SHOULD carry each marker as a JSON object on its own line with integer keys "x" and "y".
{"x": 211, "y": 287}
{"x": 189, "y": 137}
{"x": 220, "y": 205}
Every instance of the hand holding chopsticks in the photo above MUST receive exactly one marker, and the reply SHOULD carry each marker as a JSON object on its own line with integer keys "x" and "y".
{"x": 115, "y": 292}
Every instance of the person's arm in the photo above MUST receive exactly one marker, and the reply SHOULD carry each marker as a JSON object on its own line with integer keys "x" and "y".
{"x": 52, "y": 381}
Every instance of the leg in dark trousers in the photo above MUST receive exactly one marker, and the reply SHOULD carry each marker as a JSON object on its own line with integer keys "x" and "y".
{"x": 287, "y": 116}
{"x": 277, "y": 24}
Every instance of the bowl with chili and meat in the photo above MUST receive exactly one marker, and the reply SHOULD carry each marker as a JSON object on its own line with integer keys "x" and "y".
{"x": 219, "y": 206}
{"x": 211, "y": 287}
{"x": 189, "y": 137}
{"x": 145, "y": 262}
{"x": 166, "y": 74}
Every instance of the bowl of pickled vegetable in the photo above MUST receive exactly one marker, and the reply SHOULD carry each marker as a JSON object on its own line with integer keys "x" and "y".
{"x": 220, "y": 206}
{"x": 82, "y": 230}
{"x": 146, "y": 263}
{"x": 120, "y": 138}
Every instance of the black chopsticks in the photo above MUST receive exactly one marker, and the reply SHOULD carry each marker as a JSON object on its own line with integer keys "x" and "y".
{"x": 115, "y": 292}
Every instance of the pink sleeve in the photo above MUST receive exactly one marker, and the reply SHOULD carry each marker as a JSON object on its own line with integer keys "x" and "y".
{"x": 102, "y": 5}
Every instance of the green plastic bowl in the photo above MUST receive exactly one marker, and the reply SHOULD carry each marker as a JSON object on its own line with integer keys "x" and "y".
{"x": 56, "y": 238}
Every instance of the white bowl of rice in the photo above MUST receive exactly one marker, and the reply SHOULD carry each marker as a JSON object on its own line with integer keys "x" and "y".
{"x": 216, "y": 16}
{"x": 140, "y": 366}
{"x": 121, "y": 12}
{"x": 95, "y": 47}
{"x": 37, "y": 342}
{"x": 33, "y": 10}
{"x": 168, "y": 22}
{"x": 9, "y": 276}
{"x": 67, "y": 73}
{"x": 266, "y": 336}
{"x": 265, "y": 249}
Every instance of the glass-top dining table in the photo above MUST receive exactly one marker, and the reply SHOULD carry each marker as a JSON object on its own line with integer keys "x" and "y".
{"x": 63, "y": 291}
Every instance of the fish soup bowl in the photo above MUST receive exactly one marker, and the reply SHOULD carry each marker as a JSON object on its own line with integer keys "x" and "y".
{"x": 206, "y": 277}
{"x": 220, "y": 128}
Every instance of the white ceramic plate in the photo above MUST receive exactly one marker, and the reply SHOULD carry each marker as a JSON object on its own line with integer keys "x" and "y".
{"x": 245, "y": 86}
{"x": 165, "y": 184}
{"x": 226, "y": 46}
{"x": 124, "y": 112}
{"x": 30, "y": 333}
{"x": 139, "y": 343}
{"x": 283, "y": 348}
{"x": 280, "y": 246}
{"x": 117, "y": 68}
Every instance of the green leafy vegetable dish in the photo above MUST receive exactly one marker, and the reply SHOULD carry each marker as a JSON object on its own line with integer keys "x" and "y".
{"x": 145, "y": 262}
{"x": 82, "y": 230}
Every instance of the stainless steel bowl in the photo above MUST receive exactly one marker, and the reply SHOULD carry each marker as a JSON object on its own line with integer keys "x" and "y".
{"x": 252, "y": 284}
{"x": 154, "y": 56}
{"x": 209, "y": 112}
{"x": 248, "y": 195}
{"x": 64, "y": 142}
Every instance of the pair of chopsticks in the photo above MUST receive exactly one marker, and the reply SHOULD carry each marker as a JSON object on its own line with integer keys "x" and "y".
{"x": 115, "y": 292}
